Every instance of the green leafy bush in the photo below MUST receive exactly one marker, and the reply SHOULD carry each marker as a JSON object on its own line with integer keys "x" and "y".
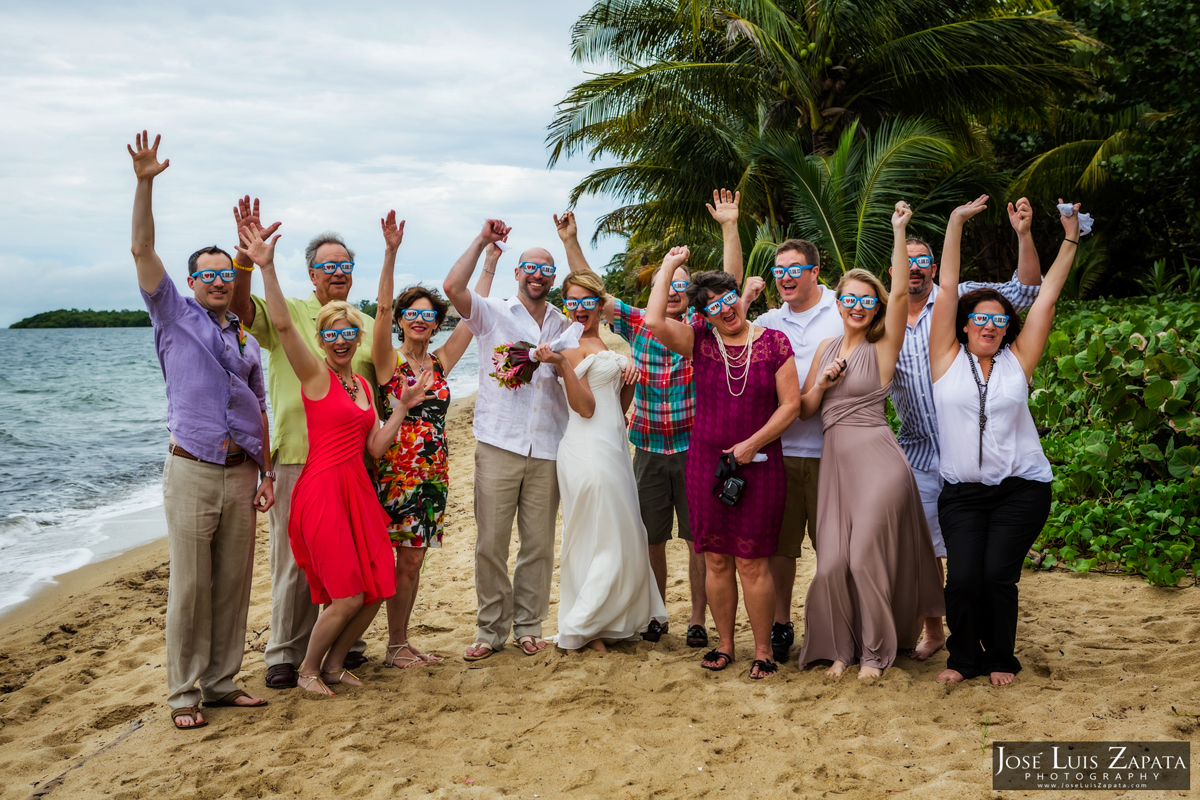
{"x": 1117, "y": 402}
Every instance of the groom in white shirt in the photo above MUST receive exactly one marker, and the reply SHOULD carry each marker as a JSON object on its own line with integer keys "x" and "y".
{"x": 517, "y": 433}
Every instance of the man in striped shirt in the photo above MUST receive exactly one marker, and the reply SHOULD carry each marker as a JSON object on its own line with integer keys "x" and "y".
{"x": 912, "y": 386}
{"x": 664, "y": 408}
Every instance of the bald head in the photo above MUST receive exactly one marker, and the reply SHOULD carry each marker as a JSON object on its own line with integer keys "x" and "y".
{"x": 534, "y": 287}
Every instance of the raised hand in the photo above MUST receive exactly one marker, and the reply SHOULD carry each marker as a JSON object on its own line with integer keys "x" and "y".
{"x": 254, "y": 248}
{"x": 902, "y": 215}
{"x": 753, "y": 288}
{"x": 674, "y": 258}
{"x": 968, "y": 210}
{"x": 246, "y": 215}
{"x": 492, "y": 253}
{"x": 145, "y": 158}
{"x": 413, "y": 394}
{"x": 1070, "y": 224}
{"x": 1020, "y": 216}
{"x": 545, "y": 355}
{"x": 724, "y": 207}
{"x": 393, "y": 234}
{"x": 494, "y": 230}
{"x": 567, "y": 228}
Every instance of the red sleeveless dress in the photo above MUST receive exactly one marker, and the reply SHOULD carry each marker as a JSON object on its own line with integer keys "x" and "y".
{"x": 337, "y": 528}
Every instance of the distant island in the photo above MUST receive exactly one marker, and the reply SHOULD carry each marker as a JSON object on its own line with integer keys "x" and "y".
{"x": 74, "y": 318}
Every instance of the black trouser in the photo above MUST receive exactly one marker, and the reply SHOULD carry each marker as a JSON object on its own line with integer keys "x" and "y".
{"x": 988, "y": 531}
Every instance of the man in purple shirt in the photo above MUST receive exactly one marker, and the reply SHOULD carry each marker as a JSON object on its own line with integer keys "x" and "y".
{"x": 216, "y": 412}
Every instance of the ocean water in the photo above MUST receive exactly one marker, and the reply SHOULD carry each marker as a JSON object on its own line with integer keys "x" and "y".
{"x": 83, "y": 437}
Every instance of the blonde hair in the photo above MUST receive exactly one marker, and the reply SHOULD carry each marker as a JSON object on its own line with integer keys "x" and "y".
{"x": 588, "y": 281}
{"x": 334, "y": 310}
{"x": 875, "y": 331}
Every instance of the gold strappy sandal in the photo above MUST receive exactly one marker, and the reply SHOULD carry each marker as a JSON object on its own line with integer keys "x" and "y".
{"x": 308, "y": 687}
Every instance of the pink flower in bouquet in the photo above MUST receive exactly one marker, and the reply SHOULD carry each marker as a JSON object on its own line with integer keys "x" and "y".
{"x": 513, "y": 364}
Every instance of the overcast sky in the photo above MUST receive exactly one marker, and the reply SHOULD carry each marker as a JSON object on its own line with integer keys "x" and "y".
{"x": 331, "y": 114}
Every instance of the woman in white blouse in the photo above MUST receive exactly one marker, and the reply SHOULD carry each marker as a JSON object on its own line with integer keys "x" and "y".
{"x": 997, "y": 479}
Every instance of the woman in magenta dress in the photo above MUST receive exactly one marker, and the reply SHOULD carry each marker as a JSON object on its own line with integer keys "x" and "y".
{"x": 337, "y": 528}
{"x": 747, "y": 393}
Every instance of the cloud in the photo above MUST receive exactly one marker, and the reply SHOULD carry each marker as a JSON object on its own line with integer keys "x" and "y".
{"x": 331, "y": 115}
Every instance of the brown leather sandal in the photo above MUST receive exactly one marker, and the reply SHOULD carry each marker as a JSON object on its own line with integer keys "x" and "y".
{"x": 228, "y": 701}
{"x": 187, "y": 711}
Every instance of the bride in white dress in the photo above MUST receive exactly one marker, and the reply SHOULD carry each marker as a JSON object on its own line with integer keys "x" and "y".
{"x": 607, "y": 591}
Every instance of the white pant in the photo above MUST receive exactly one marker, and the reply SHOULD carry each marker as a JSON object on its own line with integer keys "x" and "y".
{"x": 929, "y": 483}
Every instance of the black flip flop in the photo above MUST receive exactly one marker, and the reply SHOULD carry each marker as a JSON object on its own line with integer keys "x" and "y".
{"x": 765, "y": 668}
{"x": 716, "y": 655}
{"x": 697, "y": 636}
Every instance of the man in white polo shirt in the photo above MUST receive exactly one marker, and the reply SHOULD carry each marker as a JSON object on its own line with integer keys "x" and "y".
{"x": 517, "y": 433}
{"x": 808, "y": 315}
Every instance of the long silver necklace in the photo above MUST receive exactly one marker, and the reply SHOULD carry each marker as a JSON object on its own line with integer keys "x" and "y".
{"x": 741, "y": 362}
{"x": 982, "y": 387}
{"x": 351, "y": 388}
{"x": 409, "y": 357}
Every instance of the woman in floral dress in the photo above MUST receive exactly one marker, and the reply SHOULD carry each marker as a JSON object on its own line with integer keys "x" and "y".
{"x": 413, "y": 475}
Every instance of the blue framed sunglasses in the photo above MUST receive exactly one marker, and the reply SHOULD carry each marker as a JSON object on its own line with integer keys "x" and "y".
{"x": 792, "y": 272}
{"x": 412, "y": 314}
{"x": 588, "y": 303}
{"x": 529, "y": 267}
{"x": 679, "y": 287}
{"x": 330, "y": 267}
{"x": 920, "y": 262}
{"x": 717, "y": 306}
{"x": 330, "y": 336}
{"x": 851, "y": 300}
{"x": 210, "y": 275}
{"x": 981, "y": 319}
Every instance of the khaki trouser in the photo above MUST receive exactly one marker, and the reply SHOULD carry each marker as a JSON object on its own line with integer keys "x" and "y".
{"x": 293, "y": 613}
{"x": 508, "y": 485}
{"x": 210, "y": 531}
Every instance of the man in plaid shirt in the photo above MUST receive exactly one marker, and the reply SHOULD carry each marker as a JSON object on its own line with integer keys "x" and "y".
{"x": 664, "y": 408}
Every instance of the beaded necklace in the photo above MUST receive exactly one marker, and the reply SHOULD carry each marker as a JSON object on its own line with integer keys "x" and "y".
{"x": 741, "y": 362}
{"x": 351, "y": 388}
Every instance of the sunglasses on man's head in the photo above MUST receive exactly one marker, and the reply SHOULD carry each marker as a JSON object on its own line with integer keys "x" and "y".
{"x": 792, "y": 272}
{"x": 920, "y": 262}
{"x": 411, "y": 314}
{"x": 330, "y": 336}
{"x": 716, "y": 306}
{"x": 529, "y": 267}
{"x": 679, "y": 287}
{"x": 588, "y": 303}
{"x": 330, "y": 267}
{"x": 981, "y": 319}
{"x": 851, "y": 300}
{"x": 210, "y": 275}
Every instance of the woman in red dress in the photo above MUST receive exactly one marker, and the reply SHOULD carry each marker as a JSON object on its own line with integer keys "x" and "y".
{"x": 337, "y": 528}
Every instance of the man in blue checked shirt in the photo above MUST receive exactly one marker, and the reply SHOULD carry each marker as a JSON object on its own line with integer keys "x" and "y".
{"x": 912, "y": 387}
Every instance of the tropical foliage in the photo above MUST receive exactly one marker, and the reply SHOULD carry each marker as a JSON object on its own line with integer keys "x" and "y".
{"x": 74, "y": 318}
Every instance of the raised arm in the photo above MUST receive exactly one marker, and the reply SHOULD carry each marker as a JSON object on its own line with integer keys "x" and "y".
{"x": 308, "y": 368}
{"x": 1031, "y": 341}
{"x": 724, "y": 210}
{"x": 579, "y": 391}
{"x": 456, "y": 282}
{"x": 383, "y": 354}
{"x": 1029, "y": 268}
{"x": 246, "y": 215}
{"x": 382, "y": 436}
{"x": 456, "y": 344}
{"x": 677, "y": 336}
{"x": 146, "y": 166}
{"x": 943, "y": 342}
{"x": 568, "y": 232}
{"x": 888, "y": 347}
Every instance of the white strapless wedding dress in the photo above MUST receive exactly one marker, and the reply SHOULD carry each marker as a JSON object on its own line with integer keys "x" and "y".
{"x": 607, "y": 590}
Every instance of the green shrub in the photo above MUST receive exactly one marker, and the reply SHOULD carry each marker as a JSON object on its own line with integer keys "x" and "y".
{"x": 1116, "y": 400}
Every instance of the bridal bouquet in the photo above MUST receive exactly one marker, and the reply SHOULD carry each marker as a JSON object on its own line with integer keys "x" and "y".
{"x": 514, "y": 361}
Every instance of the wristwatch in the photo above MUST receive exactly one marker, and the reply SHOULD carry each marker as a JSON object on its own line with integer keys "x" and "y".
{"x": 267, "y": 474}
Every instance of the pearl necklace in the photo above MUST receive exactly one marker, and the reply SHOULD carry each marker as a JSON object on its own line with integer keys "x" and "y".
{"x": 741, "y": 362}
{"x": 351, "y": 389}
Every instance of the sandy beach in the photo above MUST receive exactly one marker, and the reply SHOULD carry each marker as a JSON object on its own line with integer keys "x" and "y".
{"x": 83, "y": 690}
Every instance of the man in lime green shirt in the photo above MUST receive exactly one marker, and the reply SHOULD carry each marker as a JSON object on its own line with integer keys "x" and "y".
{"x": 330, "y": 268}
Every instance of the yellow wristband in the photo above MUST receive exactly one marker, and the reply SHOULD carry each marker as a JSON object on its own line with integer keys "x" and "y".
{"x": 244, "y": 269}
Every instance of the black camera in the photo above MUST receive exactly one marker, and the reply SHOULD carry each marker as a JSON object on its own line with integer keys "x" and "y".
{"x": 729, "y": 486}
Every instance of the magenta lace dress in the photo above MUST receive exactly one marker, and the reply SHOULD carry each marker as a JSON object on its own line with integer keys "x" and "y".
{"x": 751, "y": 528}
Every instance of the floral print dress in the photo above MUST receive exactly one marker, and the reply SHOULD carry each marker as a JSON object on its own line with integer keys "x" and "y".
{"x": 413, "y": 476}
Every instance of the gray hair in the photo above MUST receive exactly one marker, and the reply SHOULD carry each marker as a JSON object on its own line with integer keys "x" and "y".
{"x": 328, "y": 237}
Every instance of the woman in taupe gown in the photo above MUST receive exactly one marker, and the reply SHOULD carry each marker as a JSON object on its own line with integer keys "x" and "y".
{"x": 877, "y": 575}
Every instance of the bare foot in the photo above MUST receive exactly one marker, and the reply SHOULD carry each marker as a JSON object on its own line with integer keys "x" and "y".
{"x": 950, "y": 676}
{"x": 929, "y": 644}
{"x": 314, "y": 684}
{"x": 1002, "y": 678}
{"x": 869, "y": 672}
{"x": 836, "y": 670}
{"x": 597, "y": 645}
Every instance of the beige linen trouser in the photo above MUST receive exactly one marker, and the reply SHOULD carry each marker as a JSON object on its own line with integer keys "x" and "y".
{"x": 293, "y": 613}
{"x": 508, "y": 485}
{"x": 210, "y": 532}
